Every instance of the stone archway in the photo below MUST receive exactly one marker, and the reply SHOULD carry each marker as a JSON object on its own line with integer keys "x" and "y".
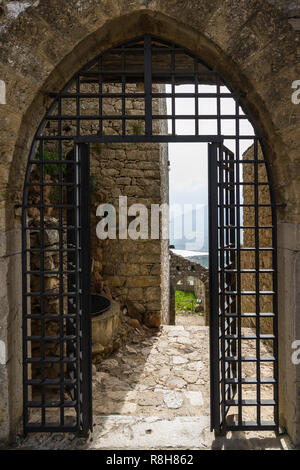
{"x": 31, "y": 69}
{"x": 180, "y": 268}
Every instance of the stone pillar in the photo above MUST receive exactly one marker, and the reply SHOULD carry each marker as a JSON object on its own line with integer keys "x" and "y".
{"x": 289, "y": 326}
{"x": 10, "y": 333}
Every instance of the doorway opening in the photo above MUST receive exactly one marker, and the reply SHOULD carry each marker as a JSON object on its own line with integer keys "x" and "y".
{"x": 128, "y": 96}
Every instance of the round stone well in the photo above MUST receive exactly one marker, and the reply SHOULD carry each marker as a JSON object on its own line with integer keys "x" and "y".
{"x": 106, "y": 323}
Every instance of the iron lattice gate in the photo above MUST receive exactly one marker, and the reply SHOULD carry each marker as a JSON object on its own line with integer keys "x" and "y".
{"x": 96, "y": 106}
{"x": 237, "y": 393}
{"x": 57, "y": 330}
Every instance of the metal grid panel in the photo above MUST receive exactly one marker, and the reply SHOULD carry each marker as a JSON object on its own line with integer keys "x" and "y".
{"x": 55, "y": 392}
{"x": 81, "y": 113}
{"x": 236, "y": 395}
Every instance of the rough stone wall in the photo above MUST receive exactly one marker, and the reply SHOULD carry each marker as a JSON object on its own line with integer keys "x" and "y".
{"x": 180, "y": 269}
{"x": 130, "y": 269}
{"x": 126, "y": 270}
{"x": 254, "y": 47}
{"x": 290, "y": 10}
{"x": 265, "y": 241}
{"x": 186, "y": 284}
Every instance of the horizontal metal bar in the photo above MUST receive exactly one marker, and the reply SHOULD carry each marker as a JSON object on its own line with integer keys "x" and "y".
{"x": 50, "y": 316}
{"x": 250, "y": 359}
{"x": 251, "y": 426}
{"x": 52, "y": 162}
{"x": 45, "y": 185}
{"x": 250, "y": 402}
{"x": 251, "y": 380}
{"x": 51, "y": 294}
{"x": 246, "y": 249}
{"x": 51, "y": 360}
{"x": 96, "y": 117}
{"x": 57, "y": 228}
{"x": 46, "y": 339}
{"x": 250, "y": 315}
{"x": 50, "y": 427}
{"x": 242, "y": 292}
{"x": 231, "y": 206}
{"x": 50, "y": 206}
{"x": 47, "y": 272}
{"x": 51, "y": 250}
{"x": 84, "y": 95}
{"x": 50, "y": 382}
{"x": 246, "y": 337}
{"x": 242, "y": 183}
{"x": 138, "y": 95}
{"x": 145, "y": 139}
{"x": 248, "y": 271}
{"x": 52, "y": 404}
{"x": 148, "y": 139}
{"x": 199, "y": 117}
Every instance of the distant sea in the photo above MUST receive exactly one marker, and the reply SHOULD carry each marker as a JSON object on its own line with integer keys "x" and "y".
{"x": 200, "y": 257}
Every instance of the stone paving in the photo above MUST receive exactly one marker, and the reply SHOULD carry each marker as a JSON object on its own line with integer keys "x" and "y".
{"x": 154, "y": 394}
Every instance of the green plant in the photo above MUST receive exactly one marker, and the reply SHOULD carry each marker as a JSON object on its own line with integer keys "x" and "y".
{"x": 54, "y": 196}
{"x": 137, "y": 128}
{"x": 51, "y": 169}
{"x": 94, "y": 184}
{"x": 184, "y": 300}
{"x": 99, "y": 148}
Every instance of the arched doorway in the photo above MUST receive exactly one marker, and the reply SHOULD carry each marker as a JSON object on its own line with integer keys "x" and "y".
{"x": 59, "y": 163}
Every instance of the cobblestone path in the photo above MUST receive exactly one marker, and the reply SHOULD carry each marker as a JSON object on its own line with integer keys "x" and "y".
{"x": 154, "y": 394}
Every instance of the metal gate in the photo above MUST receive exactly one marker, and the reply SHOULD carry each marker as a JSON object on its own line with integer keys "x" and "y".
{"x": 57, "y": 330}
{"x": 234, "y": 394}
{"x": 96, "y": 107}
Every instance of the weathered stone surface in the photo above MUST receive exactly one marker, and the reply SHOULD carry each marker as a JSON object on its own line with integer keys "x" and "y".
{"x": 179, "y": 360}
{"x": 176, "y": 383}
{"x": 195, "y": 398}
{"x": 173, "y": 400}
{"x": 150, "y": 399}
{"x": 128, "y": 400}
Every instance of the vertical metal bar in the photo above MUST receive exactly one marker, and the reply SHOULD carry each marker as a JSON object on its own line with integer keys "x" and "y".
{"x": 213, "y": 285}
{"x": 238, "y": 266}
{"x": 100, "y": 97}
{"x": 196, "y": 97}
{"x": 221, "y": 286}
{"x": 232, "y": 262}
{"x": 71, "y": 325}
{"x": 42, "y": 278}
{"x": 86, "y": 371}
{"x": 61, "y": 275}
{"x": 219, "y": 126}
{"x": 173, "y": 106}
{"x": 25, "y": 306}
{"x": 77, "y": 106}
{"x": 124, "y": 91}
{"x": 78, "y": 269}
{"x": 257, "y": 281}
{"x": 275, "y": 319}
{"x": 148, "y": 84}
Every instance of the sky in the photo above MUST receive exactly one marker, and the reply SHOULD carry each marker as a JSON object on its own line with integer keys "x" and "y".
{"x": 188, "y": 175}
{"x": 188, "y": 161}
